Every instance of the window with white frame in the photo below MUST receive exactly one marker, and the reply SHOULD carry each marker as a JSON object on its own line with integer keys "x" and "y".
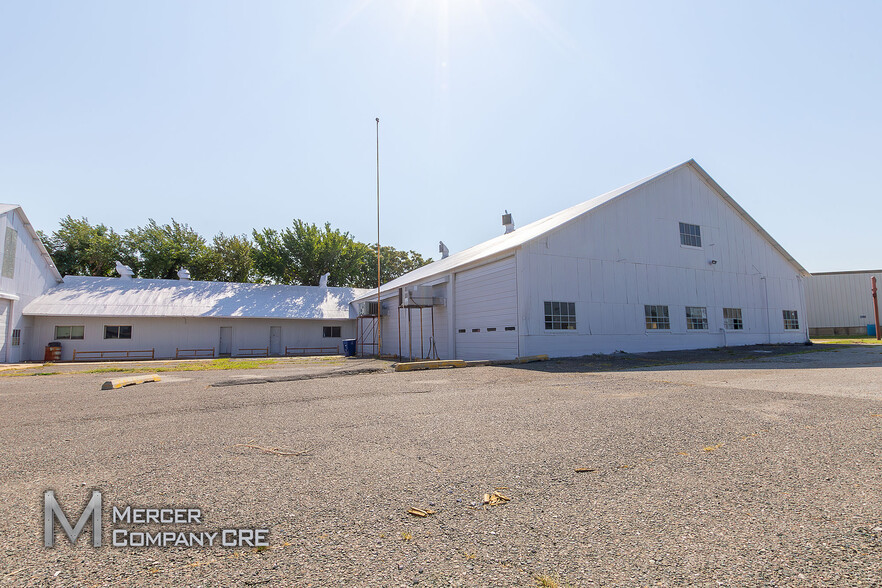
{"x": 696, "y": 318}
{"x": 16, "y": 337}
{"x": 732, "y": 320}
{"x": 70, "y": 332}
{"x": 117, "y": 331}
{"x": 657, "y": 317}
{"x": 690, "y": 235}
{"x": 560, "y": 316}
{"x": 791, "y": 320}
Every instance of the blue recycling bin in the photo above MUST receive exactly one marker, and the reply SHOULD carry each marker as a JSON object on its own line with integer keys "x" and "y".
{"x": 871, "y": 330}
{"x": 349, "y": 347}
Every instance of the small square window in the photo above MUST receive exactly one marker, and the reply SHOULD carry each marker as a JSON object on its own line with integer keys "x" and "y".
{"x": 331, "y": 332}
{"x": 560, "y": 316}
{"x": 690, "y": 235}
{"x": 791, "y": 320}
{"x": 657, "y": 317}
{"x": 462, "y": 331}
{"x": 732, "y": 320}
{"x": 509, "y": 328}
{"x": 696, "y": 318}
{"x": 117, "y": 331}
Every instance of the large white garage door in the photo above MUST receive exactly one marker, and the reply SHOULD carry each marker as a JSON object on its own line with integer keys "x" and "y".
{"x": 487, "y": 311}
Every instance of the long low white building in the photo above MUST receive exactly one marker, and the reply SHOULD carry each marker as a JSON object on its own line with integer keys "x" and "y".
{"x": 182, "y": 318}
{"x": 841, "y": 303}
{"x": 668, "y": 262}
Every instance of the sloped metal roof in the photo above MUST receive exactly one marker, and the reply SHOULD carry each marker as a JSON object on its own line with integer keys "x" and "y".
{"x": 507, "y": 242}
{"x": 87, "y": 296}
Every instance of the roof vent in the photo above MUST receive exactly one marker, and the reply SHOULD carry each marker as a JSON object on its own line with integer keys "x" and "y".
{"x": 124, "y": 271}
{"x": 443, "y": 250}
{"x": 184, "y": 274}
{"x": 323, "y": 281}
{"x": 507, "y": 222}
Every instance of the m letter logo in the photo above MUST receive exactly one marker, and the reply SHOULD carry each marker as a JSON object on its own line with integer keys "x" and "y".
{"x": 52, "y": 511}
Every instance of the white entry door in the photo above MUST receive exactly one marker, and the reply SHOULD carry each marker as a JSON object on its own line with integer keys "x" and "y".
{"x": 225, "y": 347}
{"x": 275, "y": 346}
{"x": 487, "y": 311}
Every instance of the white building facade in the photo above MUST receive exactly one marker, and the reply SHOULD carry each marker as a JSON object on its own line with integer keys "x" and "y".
{"x": 669, "y": 262}
{"x": 26, "y": 271}
{"x": 841, "y": 303}
{"x": 109, "y": 317}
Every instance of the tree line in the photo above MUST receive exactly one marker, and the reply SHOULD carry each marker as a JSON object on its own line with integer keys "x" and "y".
{"x": 298, "y": 254}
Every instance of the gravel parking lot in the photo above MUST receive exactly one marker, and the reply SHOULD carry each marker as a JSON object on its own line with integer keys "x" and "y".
{"x": 761, "y": 471}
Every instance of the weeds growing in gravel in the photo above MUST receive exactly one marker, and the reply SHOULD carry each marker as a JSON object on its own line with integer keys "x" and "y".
{"x": 546, "y": 581}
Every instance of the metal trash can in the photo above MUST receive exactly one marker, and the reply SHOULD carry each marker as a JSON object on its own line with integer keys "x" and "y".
{"x": 349, "y": 347}
{"x": 53, "y": 352}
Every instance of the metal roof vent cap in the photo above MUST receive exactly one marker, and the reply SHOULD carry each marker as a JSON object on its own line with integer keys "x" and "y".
{"x": 323, "y": 281}
{"x": 443, "y": 250}
{"x": 184, "y": 274}
{"x": 507, "y": 222}
{"x": 124, "y": 271}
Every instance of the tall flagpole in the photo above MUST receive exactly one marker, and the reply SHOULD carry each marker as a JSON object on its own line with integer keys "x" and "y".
{"x": 379, "y": 310}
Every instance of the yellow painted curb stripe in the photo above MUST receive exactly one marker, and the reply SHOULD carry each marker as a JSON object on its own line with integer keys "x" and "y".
{"x": 429, "y": 365}
{"x": 531, "y": 358}
{"x": 120, "y": 382}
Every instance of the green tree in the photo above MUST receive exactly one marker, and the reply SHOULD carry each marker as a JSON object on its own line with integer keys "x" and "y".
{"x": 164, "y": 249}
{"x": 80, "y": 248}
{"x": 228, "y": 259}
{"x": 394, "y": 263}
{"x": 302, "y": 253}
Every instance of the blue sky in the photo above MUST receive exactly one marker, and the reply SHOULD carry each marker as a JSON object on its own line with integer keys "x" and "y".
{"x": 235, "y": 115}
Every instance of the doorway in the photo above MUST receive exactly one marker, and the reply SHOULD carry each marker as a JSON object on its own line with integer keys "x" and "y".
{"x": 225, "y": 347}
{"x": 275, "y": 346}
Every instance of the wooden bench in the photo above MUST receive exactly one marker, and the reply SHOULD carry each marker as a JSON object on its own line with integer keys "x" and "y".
{"x": 254, "y": 352}
{"x": 291, "y": 351}
{"x": 194, "y": 353}
{"x": 112, "y": 355}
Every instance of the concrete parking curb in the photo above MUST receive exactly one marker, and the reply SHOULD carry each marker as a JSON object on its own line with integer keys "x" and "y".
{"x": 122, "y": 382}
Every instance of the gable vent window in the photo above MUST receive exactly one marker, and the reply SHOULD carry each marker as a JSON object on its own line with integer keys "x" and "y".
{"x": 560, "y": 316}
{"x": 791, "y": 320}
{"x": 690, "y": 235}
{"x": 330, "y": 332}
{"x": 16, "y": 337}
{"x": 657, "y": 317}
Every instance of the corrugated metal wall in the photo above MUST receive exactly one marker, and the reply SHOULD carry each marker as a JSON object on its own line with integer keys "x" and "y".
{"x": 840, "y": 300}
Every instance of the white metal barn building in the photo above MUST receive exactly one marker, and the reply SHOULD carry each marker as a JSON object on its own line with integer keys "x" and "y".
{"x": 668, "y": 262}
{"x": 126, "y": 317}
{"x": 840, "y": 303}
{"x": 26, "y": 272}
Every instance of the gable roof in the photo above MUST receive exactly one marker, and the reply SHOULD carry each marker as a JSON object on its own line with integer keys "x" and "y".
{"x": 4, "y": 208}
{"x": 503, "y": 243}
{"x": 83, "y": 296}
